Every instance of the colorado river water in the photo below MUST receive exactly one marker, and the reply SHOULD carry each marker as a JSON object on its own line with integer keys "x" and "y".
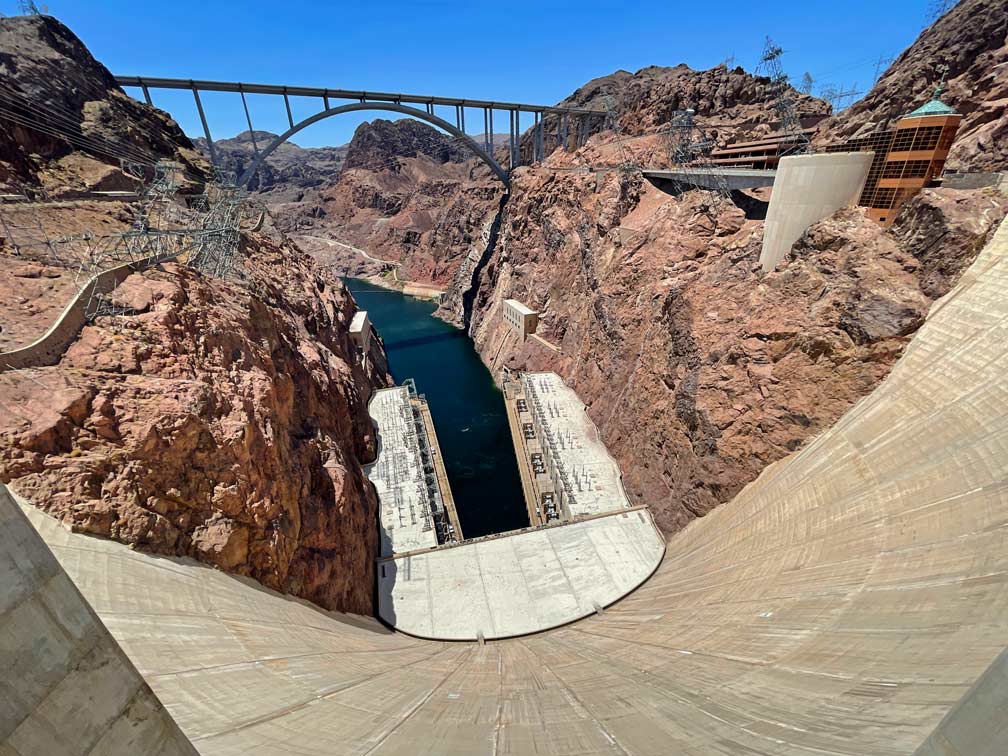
{"x": 467, "y": 407}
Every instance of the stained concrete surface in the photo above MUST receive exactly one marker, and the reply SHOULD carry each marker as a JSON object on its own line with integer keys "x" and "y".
{"x": 519, "y": 583}
{"x": 66, "y": 686}
{"x": 842, "y": 603}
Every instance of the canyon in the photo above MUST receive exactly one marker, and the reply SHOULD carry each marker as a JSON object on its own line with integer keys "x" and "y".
{"x": 223, "y": 419}
{"x": 698, "y": 369}
{"x": 679, "y": 499}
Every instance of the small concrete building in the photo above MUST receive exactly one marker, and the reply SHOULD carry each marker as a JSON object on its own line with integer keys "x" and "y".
{"x": 360, "y": 330}
{"x": 521, "y": 318}
{"x": 807, "y": 189}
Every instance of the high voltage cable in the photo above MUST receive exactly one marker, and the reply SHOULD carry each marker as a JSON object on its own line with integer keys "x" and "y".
{"x": 75, "y": 139}
{"x": 25, "y": 115}
{"x": 68, "y": 118}
{"x": 71, "y": 131}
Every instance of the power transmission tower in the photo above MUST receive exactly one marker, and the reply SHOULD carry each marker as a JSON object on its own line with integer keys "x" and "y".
{"x": 689, "y": 150}
{"x": 783, "y": 97}
{"x": 806, "y": 84}
{"x": 938, "y": 8}
{"x": 28, "y": 8}
{"x": 838, "y": 97}
{"x": 881, "y": 65}
{"x": 612, "y": 123}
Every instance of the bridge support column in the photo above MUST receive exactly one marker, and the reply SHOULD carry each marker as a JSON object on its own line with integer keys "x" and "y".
{"x": 540, "y": 138}
{"x": 564, "y": 132}
{"x": 206, "y": 129}
{"x": 248, "y": 120}
{"x": 511, "y": 138}
{"x": 290, "y": 116}
{"x": 535, "y": 137}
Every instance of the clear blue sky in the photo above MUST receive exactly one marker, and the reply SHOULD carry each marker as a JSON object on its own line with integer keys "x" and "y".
{"x": 518, "y": 51}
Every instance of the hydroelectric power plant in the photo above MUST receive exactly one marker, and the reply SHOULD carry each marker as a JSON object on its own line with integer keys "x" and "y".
{"x": 695, "y": 440}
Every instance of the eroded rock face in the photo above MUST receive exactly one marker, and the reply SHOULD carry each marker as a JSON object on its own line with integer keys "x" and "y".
{"x": 968, "y": 47}
{"x": 286, "y": 172}
{"x": 698, "y": 369}
{"x": 407, "y": 195}
{"x": 730, "y": 103}
{"x": 43, "y": 62}
{"x": 381, "y": 144}
{"x": 222, "y": 421}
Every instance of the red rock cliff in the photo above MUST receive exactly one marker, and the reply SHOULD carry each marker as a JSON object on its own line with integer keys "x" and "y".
{"x": 223, "y": 420}
{"x": 698, "y": 369}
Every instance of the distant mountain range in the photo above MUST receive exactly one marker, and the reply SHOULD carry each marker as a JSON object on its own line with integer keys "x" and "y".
{"x": 288, "y": 166}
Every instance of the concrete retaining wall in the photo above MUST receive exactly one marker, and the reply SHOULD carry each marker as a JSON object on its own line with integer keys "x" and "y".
{"x": 66, "y": 687}
{"x": 807, "y": 189}
{"x": 49, "y": 348}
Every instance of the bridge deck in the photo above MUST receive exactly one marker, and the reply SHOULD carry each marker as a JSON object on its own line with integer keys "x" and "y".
{"x": 737, "y": 178}
{"x": 360, "y": 95}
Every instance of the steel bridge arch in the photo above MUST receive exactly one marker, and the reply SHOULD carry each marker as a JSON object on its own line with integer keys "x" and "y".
{"x": 390, "y": 106}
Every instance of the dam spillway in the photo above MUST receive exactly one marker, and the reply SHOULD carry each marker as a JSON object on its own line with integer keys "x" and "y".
{"x": 842, "y": 603}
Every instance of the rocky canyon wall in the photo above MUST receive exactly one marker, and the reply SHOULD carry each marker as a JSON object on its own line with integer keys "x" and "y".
{"x": 966, "y": 51}
{"x": 219, "y": 419}
{"x": 698, "y": 369}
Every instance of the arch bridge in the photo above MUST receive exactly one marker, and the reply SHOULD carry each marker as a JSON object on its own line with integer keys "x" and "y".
{"x": 573, "y": 125}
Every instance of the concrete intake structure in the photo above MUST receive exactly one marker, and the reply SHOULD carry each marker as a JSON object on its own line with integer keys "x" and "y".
{"x": 842, "y": 603}
{"x": 806, "y": 189}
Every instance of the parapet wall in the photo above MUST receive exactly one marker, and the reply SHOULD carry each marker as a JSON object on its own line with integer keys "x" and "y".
{"x": 807, "y": 189}
{"x": 49, "y": 348}
{"x": 66, "y": 687}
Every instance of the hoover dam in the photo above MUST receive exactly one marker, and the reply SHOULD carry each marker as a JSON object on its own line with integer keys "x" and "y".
{"x": 851, "y": 600}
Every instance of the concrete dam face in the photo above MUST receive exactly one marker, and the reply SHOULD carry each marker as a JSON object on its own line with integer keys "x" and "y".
{"x": 843, "y": 603}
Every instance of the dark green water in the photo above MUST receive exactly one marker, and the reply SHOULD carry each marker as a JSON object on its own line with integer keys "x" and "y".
{"x": 468, "y": 409}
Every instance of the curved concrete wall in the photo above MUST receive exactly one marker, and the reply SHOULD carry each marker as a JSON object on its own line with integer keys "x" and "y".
{"x": 841, "y": 604}
{"x": 66, "y": 686}
{"x": 806, "y": 189}
{"x": 49, "y": 348}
